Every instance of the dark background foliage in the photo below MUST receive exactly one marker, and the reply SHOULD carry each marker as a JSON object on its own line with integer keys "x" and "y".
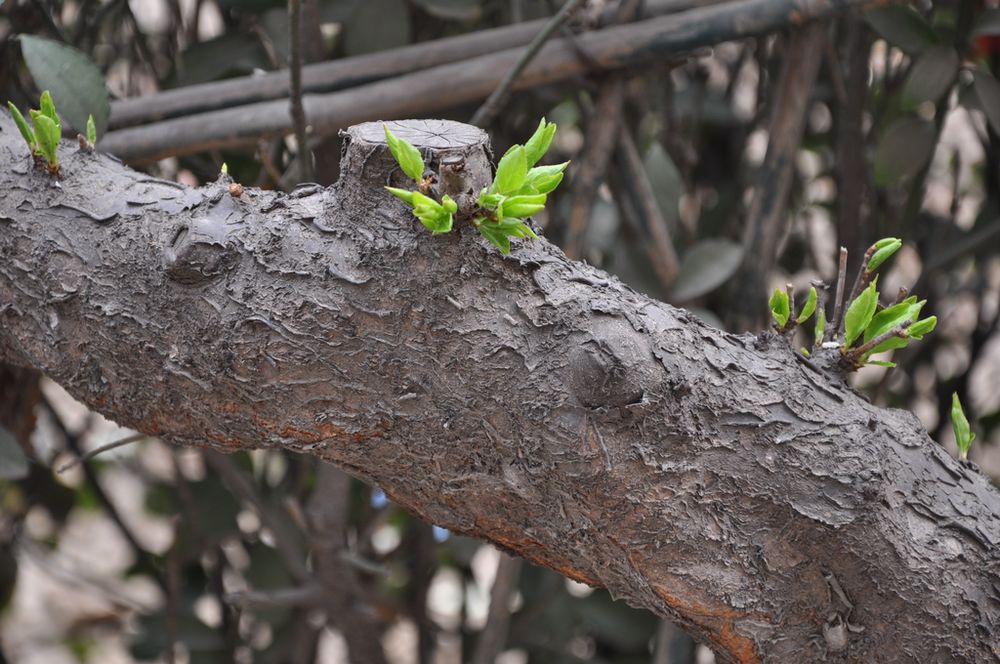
{"x": 153, "y": 553}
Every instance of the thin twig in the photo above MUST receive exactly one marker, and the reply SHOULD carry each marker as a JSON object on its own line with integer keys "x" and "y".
{"x": 488, "y": 111}
{"x": 836, "y": 75}
{"x": 295, "y": 72}
{"x": 493, "y": 637}
{"x": 285, "y": 540}
{"x": 145, "y": 558}
{"x": 661, "y": 251}
{"x": 342, "y": 72}
{"x": 307, "y": 596}
{"x": 849, "y": 133}
{"x": 673, "y": 645}
{"x": 838, "y": 301}
{"x": 76, "y": 572}
{"x": 791, "y": 323}
{"x": 861, "y": 280}
{"x": 99, "y": 450}
{"x": 447, "y": 85}
{"x": 855, "y": 354}
{"x": 173, "y": 560}
{"x": 768, "y": 216}
{"x": 822, "y": 288}
{"x": 328, "y": 521}
{"x": 602, "y": 137}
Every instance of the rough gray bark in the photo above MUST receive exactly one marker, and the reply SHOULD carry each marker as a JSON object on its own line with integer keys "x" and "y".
{"x": 721, "y": 481}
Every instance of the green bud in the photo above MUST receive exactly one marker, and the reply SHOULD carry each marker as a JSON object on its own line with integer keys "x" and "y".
{"x": 407, "y": 156}
{"x": 511, "y": 172}
{"x": 402, "y": 194}
{"x": 48, "y": 108}
{"x": 538, "y": 144}
{"x": 808, "y": 308}
{"x": 882, "y": 254}
{"x": 523, "y": 206}
{"x": 960, "y": 425}
{"x": 779, "y": 307}
{"x": 922, "y": 327}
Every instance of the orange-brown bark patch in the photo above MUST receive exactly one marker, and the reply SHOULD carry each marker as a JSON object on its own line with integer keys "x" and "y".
{"x": 503, "y": 535}
{"x": 320, "y": 432}
{"x": 225, "y": 441}
{"x": 718, "y": 622}
{"x": 529, "y": 549}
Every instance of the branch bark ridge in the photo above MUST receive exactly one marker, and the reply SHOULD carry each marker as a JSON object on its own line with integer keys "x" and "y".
{"x": 530, "y": 400}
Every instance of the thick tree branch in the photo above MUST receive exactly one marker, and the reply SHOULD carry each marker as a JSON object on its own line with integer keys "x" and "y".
{"x": 719, "y": 480}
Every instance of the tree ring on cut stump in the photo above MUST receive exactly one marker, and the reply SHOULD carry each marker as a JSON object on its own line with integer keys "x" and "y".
{"x": 457, "y": 155}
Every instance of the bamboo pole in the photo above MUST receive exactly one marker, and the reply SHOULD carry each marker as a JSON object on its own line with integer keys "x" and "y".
{"x": 450, "y": 85}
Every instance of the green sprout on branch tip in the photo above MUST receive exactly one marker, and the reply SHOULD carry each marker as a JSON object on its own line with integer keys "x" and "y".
{"x": 518, "y": 191}
{"x": 960, "y": 425}
{"x": 44, "y": 133}
{"x": 88, "y": 141}
{"x": 866, "y": 327}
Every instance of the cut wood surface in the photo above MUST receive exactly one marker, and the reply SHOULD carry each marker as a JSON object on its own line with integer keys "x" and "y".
{"x": 720, "y": 480}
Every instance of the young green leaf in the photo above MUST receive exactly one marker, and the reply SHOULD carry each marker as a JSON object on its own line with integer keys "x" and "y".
{"x": 22, "y": 126}
{"x": 543, "y": 179}
{"x": 538, "y": 144}
{"x": 885, "y": 242}
{"x": 859, "y": 314}
{"x": 883, "y": 253}
{"x": 407, "y": 156}
{"x": 91, "y": 130}
{"x": 402, "y": 194}
{"x": 808, "y": 308}
{"x": 960, "y": 425}
{"x": 890, "y": 317}
{"x": 437, "y": 222}
{"x": 522, "y": 206}
{"x": 490, "y": 201}
{"x": 433, "y": 215}
{"x": 889, "y": 344}
{"x": 492, "y": 232}
{"x": 422, "y": 202}
{"x": 48, "y": 108}
{"x": 882, "y": 363}
{"x": 779, "y": 307}
{"x": 449, "y": 204}
{"x": 820, "y": 329}
{"x": 922, "y": 327}
{"x": 516, "y": 228}
{"x": 224, "y": 170}
{"x": 48, "y": 135}
{"x": 512, "y": 171}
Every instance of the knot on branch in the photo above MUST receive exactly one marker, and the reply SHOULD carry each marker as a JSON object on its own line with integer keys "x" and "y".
{"x": 199, "y": 252}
